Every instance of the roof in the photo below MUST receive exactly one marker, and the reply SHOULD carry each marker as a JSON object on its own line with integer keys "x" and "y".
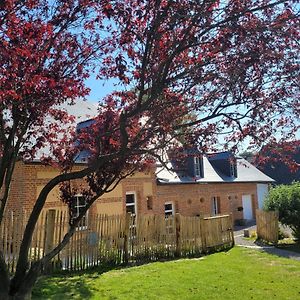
{"x": 82, "y": 110}
{"x": 245, "y": 173}
{"x": 219, "y": 155}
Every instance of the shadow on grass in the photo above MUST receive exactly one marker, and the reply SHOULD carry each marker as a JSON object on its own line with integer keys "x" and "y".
{"x": 80, "y": 284}
{"x": 291, "y": 251}
{"x": 295, "y": 247}
{"x": 66, "y": 285}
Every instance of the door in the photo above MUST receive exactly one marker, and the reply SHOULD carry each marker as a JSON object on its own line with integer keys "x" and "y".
{"x": 247, "y": 207}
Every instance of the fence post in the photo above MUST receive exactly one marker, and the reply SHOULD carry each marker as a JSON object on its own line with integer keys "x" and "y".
{"x": 202, "y": 233}
{"x": 126, "y": 237}
{"x": 231, "y": 229}
{"x": 258, "y": 223}
{"x": 276, "y": 224}
{"x": 49, "y": 235}
{"x": 177, "y": 231}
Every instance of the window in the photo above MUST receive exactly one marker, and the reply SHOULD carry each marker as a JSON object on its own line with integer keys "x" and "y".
{"x": 233, "y": 170}
{"x": 215, "y": 207}
{"x": 169, "y": 209}
{"x": 79, "y": 205}
{"x": 130, "y": 203}
{"x": 197, "y": 166}
{"x": 170, "y": 224}
{"x": 131, "y": 208}
{"x": 149, "y": 202}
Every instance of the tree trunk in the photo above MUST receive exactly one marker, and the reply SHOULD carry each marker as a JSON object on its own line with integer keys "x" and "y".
{"x": 21, "y": 289}
{"x": 21, "y": 296}
{"x": 18, "y": 296}
{"x": 4, "y": 278}
{"x": 24, "y": 291}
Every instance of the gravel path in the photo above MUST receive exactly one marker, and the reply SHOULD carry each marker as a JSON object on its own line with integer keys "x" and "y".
{"x": 242, "y": 242}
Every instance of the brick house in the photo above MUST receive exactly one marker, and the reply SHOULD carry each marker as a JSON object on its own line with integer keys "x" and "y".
{"x": 157, "y": 192}
{"x": 209, "y": 185}
{"x": 213, "y": 184}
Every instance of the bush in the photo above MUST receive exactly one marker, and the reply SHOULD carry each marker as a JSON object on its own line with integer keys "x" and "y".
{"x": 286, "y": 200}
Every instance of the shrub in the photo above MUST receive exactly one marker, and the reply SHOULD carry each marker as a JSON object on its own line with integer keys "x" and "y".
{"x": 286, "y": 200}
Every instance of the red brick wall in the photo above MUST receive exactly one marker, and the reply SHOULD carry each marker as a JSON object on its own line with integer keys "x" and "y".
{"x": 194, "y": 199}
{"x": 189, "y": 199}
{"x": 27, "y": 178}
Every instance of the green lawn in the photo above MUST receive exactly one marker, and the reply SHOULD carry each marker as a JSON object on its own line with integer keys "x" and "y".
{"x": 237, "y": 274}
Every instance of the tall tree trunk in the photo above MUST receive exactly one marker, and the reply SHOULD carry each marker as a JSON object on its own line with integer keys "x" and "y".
{"x": 22, "y": 290}
{"x": 4, "y": 278}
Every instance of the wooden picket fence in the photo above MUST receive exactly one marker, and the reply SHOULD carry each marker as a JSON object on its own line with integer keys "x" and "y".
{"x": 267, "y": 225}
{"x": 118, "y": 239}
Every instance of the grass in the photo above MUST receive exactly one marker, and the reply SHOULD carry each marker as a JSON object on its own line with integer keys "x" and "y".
{"x": 237, "y": 274}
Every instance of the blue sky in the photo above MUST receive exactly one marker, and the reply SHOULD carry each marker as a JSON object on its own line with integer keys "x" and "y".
{"x": 99, "y": 88}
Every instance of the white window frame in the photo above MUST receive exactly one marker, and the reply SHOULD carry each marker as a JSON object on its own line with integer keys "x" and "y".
{"x": 215, "y": 208}
{"x": 169, "y": 210}
{"x": 169, "y": 226}
{"x": 197, "y": 166}
{"x": 131, "y": 204}
{"x": 77, "y": 206}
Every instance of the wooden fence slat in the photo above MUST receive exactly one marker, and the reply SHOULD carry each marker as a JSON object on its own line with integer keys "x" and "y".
{"x": 121, "y": 238}
{"x": 267, "y": 225}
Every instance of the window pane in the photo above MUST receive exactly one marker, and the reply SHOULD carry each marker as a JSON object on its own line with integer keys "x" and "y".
{"x": 130, "y": 198}
{"x": 77, "y": 206}
{"x": 130, "y": 209}
{"x": 80, "y": 209}
{"x": 83, "y": 222}
{"x": 149, "y": 202}
{"x": 168, "y": 213}
{"x": 197, "y": 166}
{"x": 168, "y": 206}
{"x": 214, "y": 206}
{"x": 81, "y": 201}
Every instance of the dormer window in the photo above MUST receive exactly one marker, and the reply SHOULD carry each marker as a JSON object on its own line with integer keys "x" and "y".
{"x": 224, "y": 163}
{"x": 233, "y": 170}
{"x": 197, "y": 166}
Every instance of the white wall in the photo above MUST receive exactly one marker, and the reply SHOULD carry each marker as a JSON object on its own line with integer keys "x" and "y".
{"x": 262, "y": 192}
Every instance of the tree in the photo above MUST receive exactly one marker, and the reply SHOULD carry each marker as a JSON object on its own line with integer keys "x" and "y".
{"x": 248, "y": 155}
{"x": 281, "y": 161}
{"x": 286, "y": 200}
{"x": 233, "y": 66}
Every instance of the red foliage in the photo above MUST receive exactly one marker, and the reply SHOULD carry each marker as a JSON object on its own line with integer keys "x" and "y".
{"x": 191, "y": 71}
{"x": 283, "y": 152}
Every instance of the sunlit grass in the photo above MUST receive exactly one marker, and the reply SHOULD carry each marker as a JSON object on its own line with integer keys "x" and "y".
{"x": 237, "y": 274}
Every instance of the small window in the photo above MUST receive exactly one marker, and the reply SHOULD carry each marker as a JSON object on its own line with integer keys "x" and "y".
{"x": 169, "y": 209}
{"x": 215, "y": 207}
{"x": 130, "y": 203}
{"x": 149, "y": 202}
{"x": 197, "y": 166}
{"x": 169, "y": 212}
{"x": 233, "y": 169}
{"x": 79, "y": 205}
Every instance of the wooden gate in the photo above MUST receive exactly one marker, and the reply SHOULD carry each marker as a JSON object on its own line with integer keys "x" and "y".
{"x": 267, "y": 225}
